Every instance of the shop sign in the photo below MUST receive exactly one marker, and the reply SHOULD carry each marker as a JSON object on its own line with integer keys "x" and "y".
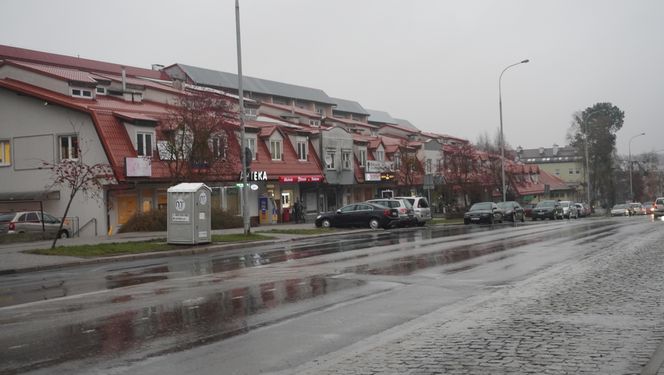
{"x": 371, "y": 176}
{"x": 387, "y": 176}
{"x": 308, "y": 178}
{"x": 254, "y": 176}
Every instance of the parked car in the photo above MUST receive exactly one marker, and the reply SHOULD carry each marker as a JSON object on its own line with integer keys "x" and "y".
{"x": 528, "y": 209}
{"x": 658, "y": 207}
{"x": 581, "y": 210}
{"x": 405, "y": 209}
{"x": 621, "y": 210}
{"x": 637, "y": 208}
{"x": 547, "y": 209}
{"x": 31, "y": 222}
{"x": 487, "y": 212}
{"x": 421, "y": 209}
{"x": 512, "y": 211}
{"x": 359, "y": 215}
{"x": 569, "y": 210}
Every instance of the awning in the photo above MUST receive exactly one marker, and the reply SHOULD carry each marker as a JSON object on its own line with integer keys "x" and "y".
{"x": 30, "y": 196}
{"x": 305, "y": 178}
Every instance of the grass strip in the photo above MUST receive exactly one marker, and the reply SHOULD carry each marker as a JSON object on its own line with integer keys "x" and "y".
{"x": 438, "y": 220}
{"x": 303, "y": 231}
{"x": 107, "y": 249}
{"x": 240, "y": 237}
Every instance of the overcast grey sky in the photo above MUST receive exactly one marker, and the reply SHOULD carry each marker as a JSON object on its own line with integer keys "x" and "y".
{"x": 434, "y": 63}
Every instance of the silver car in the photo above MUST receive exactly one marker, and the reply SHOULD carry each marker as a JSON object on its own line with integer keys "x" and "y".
{"x": 31, "y": 222}
{"x": 420, "y": 208}
{"x": 406, "y": 213}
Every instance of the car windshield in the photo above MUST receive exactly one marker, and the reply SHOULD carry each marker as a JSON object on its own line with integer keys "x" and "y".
{"x": 481, "y": 206}
{"x": 619, "y": 206}
{"x": 546, "y": 204}
{"x": 505, "y": 204}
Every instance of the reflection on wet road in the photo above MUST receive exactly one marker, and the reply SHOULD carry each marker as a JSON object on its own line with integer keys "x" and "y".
{"x": 178, "y": 303}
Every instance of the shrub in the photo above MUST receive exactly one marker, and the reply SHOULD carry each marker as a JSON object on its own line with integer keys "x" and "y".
{"x": 223, "y": 220}
{"x": 155, "y": 221}
{"x": 151, "y": 221}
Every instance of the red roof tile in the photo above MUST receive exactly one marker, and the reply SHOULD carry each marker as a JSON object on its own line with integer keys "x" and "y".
{"x": 54, "y": 71}
{"x": 76, "y": 62}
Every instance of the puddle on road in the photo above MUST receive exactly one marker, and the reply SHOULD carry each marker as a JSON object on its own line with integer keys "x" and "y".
{"x": 204, "y": 319}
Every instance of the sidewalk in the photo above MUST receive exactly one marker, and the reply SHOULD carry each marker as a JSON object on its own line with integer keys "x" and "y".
{"x": 13, "y": 258}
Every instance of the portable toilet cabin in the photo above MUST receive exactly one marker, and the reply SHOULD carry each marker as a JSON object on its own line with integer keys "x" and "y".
{"x": 189, "y": 213}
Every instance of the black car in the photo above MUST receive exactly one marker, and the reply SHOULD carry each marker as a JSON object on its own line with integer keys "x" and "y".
{"x": 483, "y": 212}
{"x": 359, "y": 215}
{"x": 548, "y": 209}
{"x": 512, "y": 211}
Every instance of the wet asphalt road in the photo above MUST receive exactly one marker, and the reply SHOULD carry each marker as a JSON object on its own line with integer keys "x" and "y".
{"x": 271, "y": 308}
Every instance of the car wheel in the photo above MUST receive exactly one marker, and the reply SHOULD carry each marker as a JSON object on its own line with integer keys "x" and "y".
{"x": 466, "y": 221}
{"x": 421, "y": 223}
{"x": 63, "y": 234}
{"x": 374, "y": 223}
{"x": 326, "y": 223}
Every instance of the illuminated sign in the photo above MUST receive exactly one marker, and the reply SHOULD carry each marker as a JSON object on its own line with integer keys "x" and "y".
{"x": 307, "y": 178}
{"x": 255, "y": 176}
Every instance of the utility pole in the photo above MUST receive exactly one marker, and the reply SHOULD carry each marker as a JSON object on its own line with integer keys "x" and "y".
{"x": 244, "y": 191}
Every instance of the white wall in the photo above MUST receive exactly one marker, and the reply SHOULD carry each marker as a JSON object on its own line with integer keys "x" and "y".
{"x": 23, "y": 119}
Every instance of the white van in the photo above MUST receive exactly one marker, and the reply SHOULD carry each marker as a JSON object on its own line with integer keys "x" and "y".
{"x": 421, "y": 208}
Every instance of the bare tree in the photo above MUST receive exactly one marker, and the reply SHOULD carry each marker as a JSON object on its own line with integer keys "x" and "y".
{"x": 410, "y": 168}
{"x": 462, "y": 169}
{"x": 197, "y": 138}
{"x": 77, "y": 176}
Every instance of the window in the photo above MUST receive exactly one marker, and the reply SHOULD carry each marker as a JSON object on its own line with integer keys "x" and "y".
{"x": 280, "y": 100}
{"x": 397, "y": 161}
{"x": 345, "y": 159}
{"x": 363, "y": 157}
{"x": 69, "y": 147}
{"x": 81, "y": 93}
{"x": 251, "y": 143}
{"x": 329, "y": 159}
{"x": 557, "y": 172}
{"x": 571, "y": 171}
{"x": 302, "y": 149}
{"x": 380, "y": 155}
{"x": 218, "y": 147}
{"x": 275, "y": 149}
{"x": 144, "y": 144}
{"x": 101, "y": 90}
{"x": 314, "y": 123}
{"x": 5, "y": 153}
{"x": 251, "y": 113}
{"x": 320, "y": 110}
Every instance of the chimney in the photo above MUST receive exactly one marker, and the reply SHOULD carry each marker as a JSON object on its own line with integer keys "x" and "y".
{"x": 157, "y": 67}
{"x": 124, "y": 79}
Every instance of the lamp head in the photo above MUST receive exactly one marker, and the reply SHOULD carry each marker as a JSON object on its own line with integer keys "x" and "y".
{"x": 525, "y": 61}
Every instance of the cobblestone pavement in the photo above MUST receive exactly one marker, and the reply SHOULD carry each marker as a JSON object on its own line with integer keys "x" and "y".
{"x": 603, "y": 314}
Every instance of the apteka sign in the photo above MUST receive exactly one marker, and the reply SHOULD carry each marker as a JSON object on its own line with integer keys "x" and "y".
{"x": 255, "y": 176}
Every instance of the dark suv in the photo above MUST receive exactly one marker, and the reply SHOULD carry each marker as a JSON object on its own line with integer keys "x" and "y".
{"x": 548, "y": 209}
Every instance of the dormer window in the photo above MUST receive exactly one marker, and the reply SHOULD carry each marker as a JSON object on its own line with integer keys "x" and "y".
{"x": 100, "y": 90}
{"x": 275, "y": 149}
{"x": 81, "y": 93}
{"x": 144, "y": 144}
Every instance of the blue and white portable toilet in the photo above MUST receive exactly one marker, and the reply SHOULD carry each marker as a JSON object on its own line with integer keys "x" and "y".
{"x": 189, "y": 213}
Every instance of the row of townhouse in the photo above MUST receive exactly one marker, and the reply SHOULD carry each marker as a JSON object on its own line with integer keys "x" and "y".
{"x": 305, "y": 146}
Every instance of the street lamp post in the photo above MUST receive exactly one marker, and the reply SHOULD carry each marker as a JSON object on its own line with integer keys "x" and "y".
{"x": 244, "y": 191}
{"x": 629, "y": 145}
{"x": 502, "y": 142}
